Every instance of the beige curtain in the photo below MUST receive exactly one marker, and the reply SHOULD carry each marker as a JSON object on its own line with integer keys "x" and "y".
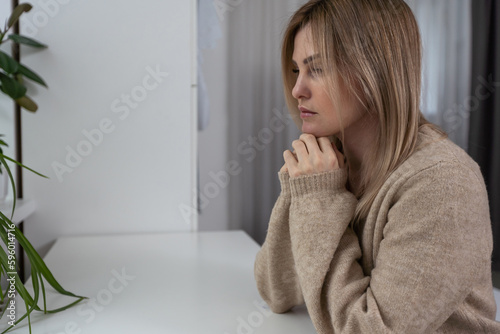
{"x": 446, "y": 28}
{"x": 259, "y": 129}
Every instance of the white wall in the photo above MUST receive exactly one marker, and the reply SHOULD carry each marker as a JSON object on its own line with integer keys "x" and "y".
{"x": 115, "y": 131}
{"x": 212, "y": 141}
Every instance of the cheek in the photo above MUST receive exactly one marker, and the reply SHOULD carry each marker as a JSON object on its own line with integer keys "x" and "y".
{"x": 354, "y": 110}
{"x": 324, "y": 102}
{"x": 331, "y": 110}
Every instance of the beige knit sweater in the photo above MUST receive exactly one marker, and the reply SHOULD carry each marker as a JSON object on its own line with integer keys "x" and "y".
{"x": 420, "y": 263}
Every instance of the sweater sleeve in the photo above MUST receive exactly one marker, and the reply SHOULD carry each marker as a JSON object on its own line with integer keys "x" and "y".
{"x": 275, "y": 271}
{"x": 426, "y": 264}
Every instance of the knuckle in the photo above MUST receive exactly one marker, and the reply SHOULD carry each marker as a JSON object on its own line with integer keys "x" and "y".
{"x": 308, "y": 168}
{"x": 317, "y": 156}
{"x": 331, "y": 160}
{"x": 306, "y": 136}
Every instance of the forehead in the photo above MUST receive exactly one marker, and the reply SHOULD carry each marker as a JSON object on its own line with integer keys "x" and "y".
{"x": 303, "y": 46}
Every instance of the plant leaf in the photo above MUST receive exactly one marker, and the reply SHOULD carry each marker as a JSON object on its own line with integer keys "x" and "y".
{"x": 37, "y": 262}
{"x": 17, "y": 12}
{"x": 27, "y": 103}
{"x": 8, "y": 63}
{"x": 39, "y": 270}
{"x": 13, "y": 184}
{"x": 20, "y": 288}
{"x": 23, "y": 166}
{"x": 26, "y": 41}
{"x": 28, "y": 73}
{"x": 11, "y": 87}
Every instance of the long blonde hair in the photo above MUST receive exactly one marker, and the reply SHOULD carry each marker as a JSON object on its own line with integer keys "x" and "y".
{"x": 374, "y": 46}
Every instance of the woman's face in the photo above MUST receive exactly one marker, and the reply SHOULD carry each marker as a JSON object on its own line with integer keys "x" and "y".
{"x": 317, "y": 111}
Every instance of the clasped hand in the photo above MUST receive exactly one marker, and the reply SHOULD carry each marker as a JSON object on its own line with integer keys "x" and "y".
{"x": 311, "y": 156}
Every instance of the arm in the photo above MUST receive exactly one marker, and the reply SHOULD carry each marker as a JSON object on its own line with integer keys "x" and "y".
{"x": 435, "y": 240}
{"x": 274, "y": 266}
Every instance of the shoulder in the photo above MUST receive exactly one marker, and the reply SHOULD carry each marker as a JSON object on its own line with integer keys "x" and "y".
{"x": 439, "y": 190}
{"x": 438, "y": 174}
{"x": 438, "y": 162}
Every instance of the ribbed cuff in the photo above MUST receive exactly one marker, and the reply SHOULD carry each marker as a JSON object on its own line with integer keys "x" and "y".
{"x": 331, "y": 182}
{"x": 285, "y": 184}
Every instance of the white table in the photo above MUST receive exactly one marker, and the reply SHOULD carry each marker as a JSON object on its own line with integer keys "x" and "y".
{"x": 167, "y": 283}
{"x": 24, "y": 208}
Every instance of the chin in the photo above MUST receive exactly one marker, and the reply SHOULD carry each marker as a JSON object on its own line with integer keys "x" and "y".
{"x": 318, "y": 133}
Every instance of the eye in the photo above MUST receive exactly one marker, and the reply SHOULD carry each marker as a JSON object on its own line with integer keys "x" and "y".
{"x": 295, "y": 71}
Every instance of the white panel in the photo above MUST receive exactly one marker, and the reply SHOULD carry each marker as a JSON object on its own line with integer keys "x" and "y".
{"x": 113, "y": 131}
{"x": 6, "y": 104}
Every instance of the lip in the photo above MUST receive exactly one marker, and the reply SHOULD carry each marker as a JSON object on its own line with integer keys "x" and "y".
{"x": 306, "y": 113}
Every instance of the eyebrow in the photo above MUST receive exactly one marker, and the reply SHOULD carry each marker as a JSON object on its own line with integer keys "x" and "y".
{"x": 308, "y": 59}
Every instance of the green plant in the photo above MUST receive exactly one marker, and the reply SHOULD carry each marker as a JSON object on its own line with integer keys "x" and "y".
{"x": 9, "y": 234}
{"x": 12, "y": 74}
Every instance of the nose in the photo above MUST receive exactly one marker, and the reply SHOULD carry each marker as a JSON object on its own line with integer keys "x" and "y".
{"x": 301, "y": 90}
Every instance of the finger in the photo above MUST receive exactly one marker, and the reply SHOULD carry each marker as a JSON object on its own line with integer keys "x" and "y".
{"x": 290, "y": 163}
{"x": 325, "y": 145}
{"x": 329, "y": 155}
{"x": 289, "y": 158}
{"x": 284, "y": 169}
{"x": 300, "y": 150}
{"x": 340, "y": 156}
{"x": 311, "y": 143}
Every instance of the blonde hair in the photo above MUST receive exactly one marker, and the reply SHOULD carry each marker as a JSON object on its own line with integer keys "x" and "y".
{"x": 374, "y": 46}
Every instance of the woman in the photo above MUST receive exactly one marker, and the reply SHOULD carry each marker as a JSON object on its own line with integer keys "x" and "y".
{"x": 386, "y": 230}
